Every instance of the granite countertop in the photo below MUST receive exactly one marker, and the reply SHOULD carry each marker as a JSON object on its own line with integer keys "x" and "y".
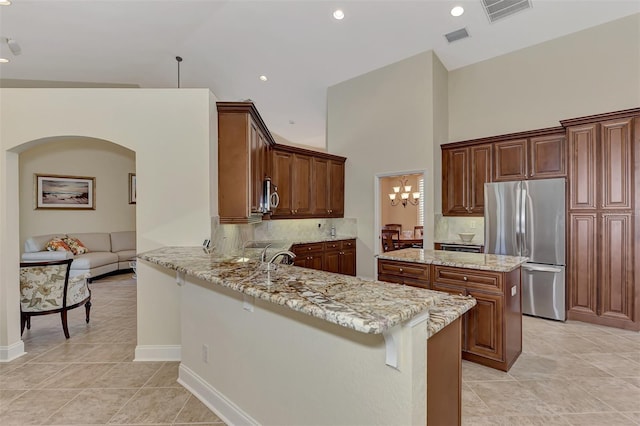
{"x": 366, "y": 306}
{"x": 486, "y": 262}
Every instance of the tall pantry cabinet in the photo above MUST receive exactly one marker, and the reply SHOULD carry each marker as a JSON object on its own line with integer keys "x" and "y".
{"x": 603, "y": 219}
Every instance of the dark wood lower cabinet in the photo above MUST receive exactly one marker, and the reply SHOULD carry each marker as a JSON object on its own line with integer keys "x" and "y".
{"x": 491, "y": 330}
{"x": 309, "y": 255}
{"x": 444, "y": 376}
{"x": 334, "y": 256}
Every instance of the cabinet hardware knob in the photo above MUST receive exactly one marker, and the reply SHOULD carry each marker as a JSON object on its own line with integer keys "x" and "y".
{"x": 400, "y": 269}
{"x": 308, "y": 248}
{"x": 464, "y": 278}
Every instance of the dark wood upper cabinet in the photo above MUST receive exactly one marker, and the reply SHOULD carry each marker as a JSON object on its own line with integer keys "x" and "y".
{"x": 547, "y": 156}
{"x": 464, "y": 173}
{"x": 510, "y": 160}
{"x": 243, "y": 146}
{"x": 310, "y": 183}
{"x": 582, "y": 166}
{"x": 617, "y": 164}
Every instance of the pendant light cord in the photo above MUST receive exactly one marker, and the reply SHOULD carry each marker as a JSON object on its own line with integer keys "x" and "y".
{"x": 178, "y": 59}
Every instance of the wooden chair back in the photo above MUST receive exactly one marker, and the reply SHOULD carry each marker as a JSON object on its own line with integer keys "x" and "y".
{"x": 390, "y": 239}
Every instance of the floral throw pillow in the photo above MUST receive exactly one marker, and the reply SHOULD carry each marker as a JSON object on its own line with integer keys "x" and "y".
{"x": 76, "y": 245}
{"x": 57, "y": 244}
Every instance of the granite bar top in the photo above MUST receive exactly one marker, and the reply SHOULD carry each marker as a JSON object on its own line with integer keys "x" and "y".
{"x": 366, "y": 306}
{"x": 486, "y": 262}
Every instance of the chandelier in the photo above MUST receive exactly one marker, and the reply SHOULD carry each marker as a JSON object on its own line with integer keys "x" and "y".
{"x": 404, "y": 195}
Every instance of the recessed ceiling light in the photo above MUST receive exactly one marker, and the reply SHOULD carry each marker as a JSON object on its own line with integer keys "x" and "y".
{"x": 457, "y": 11}
{"x": 3, "y": 60}
{"x": 338, "y": 14}
{"x": 5, "y": 3}
{"x": 263, "y": 78}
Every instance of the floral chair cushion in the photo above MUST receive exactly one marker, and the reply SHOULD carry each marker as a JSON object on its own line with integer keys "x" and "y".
{"x": 42, "y": 287}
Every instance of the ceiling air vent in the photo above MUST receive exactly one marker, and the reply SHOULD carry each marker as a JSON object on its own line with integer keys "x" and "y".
{"x": 498, "y": 9}
{"x": 457, "y": 35}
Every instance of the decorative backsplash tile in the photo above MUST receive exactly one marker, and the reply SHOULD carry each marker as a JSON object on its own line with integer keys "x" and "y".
{"x": 230, "y": 239}
{"x": 447, "y": 228}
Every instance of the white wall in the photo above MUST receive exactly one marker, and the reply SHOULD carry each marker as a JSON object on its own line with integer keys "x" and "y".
{"x": 589, "y": 72}
{"x": 382, "y": 122}
{"x": 275, "y": 366}
{"x": 169, "y": 130}
{"x": 108, "y": 163}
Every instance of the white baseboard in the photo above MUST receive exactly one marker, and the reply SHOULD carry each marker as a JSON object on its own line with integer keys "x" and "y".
{"x": 228, "y": 412}
{"x": 11, "y": 352}
{"x": 158, "y": 353}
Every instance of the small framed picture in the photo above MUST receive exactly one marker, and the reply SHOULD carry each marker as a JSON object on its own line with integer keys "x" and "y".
{"x": 65, "y": 192}
{"x": 132, "y": 188}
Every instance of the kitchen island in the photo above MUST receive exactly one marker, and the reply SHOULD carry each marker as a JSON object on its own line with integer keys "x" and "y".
{"x": 492, "y": 330}
{"x": 299, "y": 346}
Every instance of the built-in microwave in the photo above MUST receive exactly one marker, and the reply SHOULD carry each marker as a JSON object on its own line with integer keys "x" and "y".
{"x": 270, "y": 197}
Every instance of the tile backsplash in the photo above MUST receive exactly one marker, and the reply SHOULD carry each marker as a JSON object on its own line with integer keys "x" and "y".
{"x": 447, "y": 228}
{"x": 231, "y": 238}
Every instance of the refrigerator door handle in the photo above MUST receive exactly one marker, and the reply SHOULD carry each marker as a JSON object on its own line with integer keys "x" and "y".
{"x": 541, "y": 268}
{"x": 523, "y": 220}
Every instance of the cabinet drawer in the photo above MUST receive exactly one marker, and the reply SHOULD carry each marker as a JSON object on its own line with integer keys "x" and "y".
{"x": 469, "y": 278}
{"x": 299, "y": 249}
{"x": 403, "y": 269}
{"x": 339, "y": 245}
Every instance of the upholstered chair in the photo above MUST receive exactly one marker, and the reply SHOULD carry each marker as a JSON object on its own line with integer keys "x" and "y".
{"x": 45, "y": 288}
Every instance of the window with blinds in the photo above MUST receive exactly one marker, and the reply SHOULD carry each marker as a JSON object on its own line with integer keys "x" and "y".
{"x": 420, "y": 220}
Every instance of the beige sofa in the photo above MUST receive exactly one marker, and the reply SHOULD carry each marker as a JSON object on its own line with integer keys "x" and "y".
{"x": 108, "y": 252}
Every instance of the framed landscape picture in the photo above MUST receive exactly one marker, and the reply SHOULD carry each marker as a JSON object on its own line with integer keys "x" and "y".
{"x": 65, "y": 192}
{"x": 132, "y": 188}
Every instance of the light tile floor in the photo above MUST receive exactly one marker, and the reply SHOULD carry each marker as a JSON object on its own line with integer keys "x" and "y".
{"x": 568, "y": 374}
{"x": 91, "y": 379}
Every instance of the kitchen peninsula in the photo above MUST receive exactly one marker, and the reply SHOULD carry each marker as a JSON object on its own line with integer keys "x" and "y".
{"x": 300, "y": 346}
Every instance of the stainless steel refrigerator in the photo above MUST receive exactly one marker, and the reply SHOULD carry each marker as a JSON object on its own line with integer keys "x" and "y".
{"x": 527, "y": 218}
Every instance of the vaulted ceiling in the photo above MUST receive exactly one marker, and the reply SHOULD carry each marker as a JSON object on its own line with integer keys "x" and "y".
{"x": 301, "y": 49}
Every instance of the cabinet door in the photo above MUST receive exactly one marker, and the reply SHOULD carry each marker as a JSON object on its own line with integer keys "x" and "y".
{"x": 510, "y": 160}
{"x": 281, "y": 176}
{"x": 582, "y": 167}
{"x": 258, "y": 151}
{"x": 548, "y": 157}
{"x": 301, "y": 185}
{"x": 455, "y": 178}
{"x": 616, "y": 273}
{"x": 582, "y": 265}
{"x": 617, "y": 166}
{"x": 479, "y": 173}
{"x": 332, "y": 261}
{"x": 336, "y": 188}
{"x": 485, "y": 326}
{"x": 320, "y": 184}
{"x": 348, "y": 262}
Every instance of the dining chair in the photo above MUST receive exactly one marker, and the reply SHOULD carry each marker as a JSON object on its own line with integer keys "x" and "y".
{"x": 418, "y": 231}
{"x": 45, "y": 288}
{"x": 390, "y": 238}
{"x": 394, "y": 226}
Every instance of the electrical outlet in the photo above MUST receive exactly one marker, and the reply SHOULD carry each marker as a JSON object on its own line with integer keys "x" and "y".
{"x": 205, "y": 354}
{"x": 472, "y": 224}
{"x": 514, "y": 290}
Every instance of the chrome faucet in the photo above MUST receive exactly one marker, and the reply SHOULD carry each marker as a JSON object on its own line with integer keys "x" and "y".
{"x": 263, "y": 255}
{"x": 291, "y": 255}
